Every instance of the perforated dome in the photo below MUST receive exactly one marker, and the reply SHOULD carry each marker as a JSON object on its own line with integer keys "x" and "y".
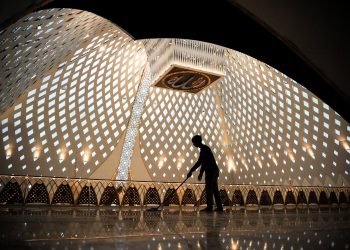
{"x": 77, "y": 100}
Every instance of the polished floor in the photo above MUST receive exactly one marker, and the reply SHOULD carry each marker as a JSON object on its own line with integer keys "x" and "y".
{"x": 34, "y": 227}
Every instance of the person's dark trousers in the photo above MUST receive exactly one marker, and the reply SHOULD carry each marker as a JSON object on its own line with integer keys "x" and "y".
{"x": 211, "y": 187}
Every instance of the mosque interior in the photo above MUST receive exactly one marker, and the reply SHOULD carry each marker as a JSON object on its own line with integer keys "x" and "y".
{"x": 96, "y": 128}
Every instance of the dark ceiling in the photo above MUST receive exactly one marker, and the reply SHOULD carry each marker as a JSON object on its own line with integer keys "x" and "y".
{"x": 220, "y": 22}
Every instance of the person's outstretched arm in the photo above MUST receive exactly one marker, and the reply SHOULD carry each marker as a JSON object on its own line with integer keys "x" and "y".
{"x": 194, "y": 168}
{"x": 201, "y": 171}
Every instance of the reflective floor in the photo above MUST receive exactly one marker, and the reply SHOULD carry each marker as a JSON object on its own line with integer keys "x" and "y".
{"x": 33, "y": 227}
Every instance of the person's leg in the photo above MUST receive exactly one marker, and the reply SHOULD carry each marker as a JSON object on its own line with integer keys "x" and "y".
{"x": 209, "y": 193}
{"x": 217, "y": 195}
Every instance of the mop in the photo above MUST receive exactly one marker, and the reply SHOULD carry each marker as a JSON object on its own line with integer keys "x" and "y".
{"x": 166, "y": 198}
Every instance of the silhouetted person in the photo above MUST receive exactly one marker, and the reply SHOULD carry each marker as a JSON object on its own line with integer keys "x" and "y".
{"x": 207, "y": 160}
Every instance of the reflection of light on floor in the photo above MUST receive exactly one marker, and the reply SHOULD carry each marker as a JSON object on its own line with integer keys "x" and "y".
{"x": 265, "y": 246}
{"x": 174, "y": 228}
{"x": 234, "y": 244}
{"x": 159, "y": 246}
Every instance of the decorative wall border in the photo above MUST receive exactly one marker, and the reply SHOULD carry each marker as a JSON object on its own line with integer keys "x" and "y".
{"x": 27, "y": 190}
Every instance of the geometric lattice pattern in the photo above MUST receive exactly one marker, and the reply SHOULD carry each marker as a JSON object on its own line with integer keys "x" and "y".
{"x": 237, "y": 198}
{"x": 312, "y": 198}
{"x": 171, "y": 197}
{"x": 152, "y": 197}
{"x": 11, "y": 194}
{"x": 110, "y": 196}
{"x": 333, "y": 198}
{"x": 63, "y": 195}
{"x": 323, "y": 198}
{"x": 69, "y": 81}
{"x": 281, "y": 132}
{"x": 224, "y": 198}
{"x": 261, "y": 125}
{"x": 73, "y": 115}
{"x": 251, "y": 199}
{"x": 31, "y": 47}
{"x": 169, "y": 121}
{"x": 290, "y": 198}
{"x": 342, "y": 198}
{"x": 189, "y": 197}
{"x": 38, "y": 194}
{"x": 87, "y": 196}
{"x": 62, "y": 191}
{"x": 203, "y": 198}
{"x": 131, "y": 197}
{"x": 265, "y": 198}
{"x": 278, "y": 198}
{"x": 301, "y": 199}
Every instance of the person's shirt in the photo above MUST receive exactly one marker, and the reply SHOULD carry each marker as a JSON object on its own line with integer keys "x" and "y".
{"x": 207, "y": 161}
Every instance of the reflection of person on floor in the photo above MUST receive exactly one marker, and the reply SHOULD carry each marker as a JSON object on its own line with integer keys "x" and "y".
{"x": 213, "y": 225}
{"x": 209, "y": 166}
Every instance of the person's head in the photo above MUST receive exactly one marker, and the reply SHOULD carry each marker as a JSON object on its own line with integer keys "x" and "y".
{"x": 197, "y": 140}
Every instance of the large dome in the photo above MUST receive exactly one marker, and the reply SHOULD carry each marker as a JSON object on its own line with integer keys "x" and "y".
{"x": 79, "y": 98}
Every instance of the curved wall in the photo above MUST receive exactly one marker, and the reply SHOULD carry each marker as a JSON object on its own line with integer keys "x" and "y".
{"x": 70, "y": 91}
{"x": 69, "y": 118}
{"x": 263, "y": 127}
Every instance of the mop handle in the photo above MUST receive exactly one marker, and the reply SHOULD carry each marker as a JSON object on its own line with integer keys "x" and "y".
{"x": 165, "y": 199}
{"x": 181, "y": 184}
